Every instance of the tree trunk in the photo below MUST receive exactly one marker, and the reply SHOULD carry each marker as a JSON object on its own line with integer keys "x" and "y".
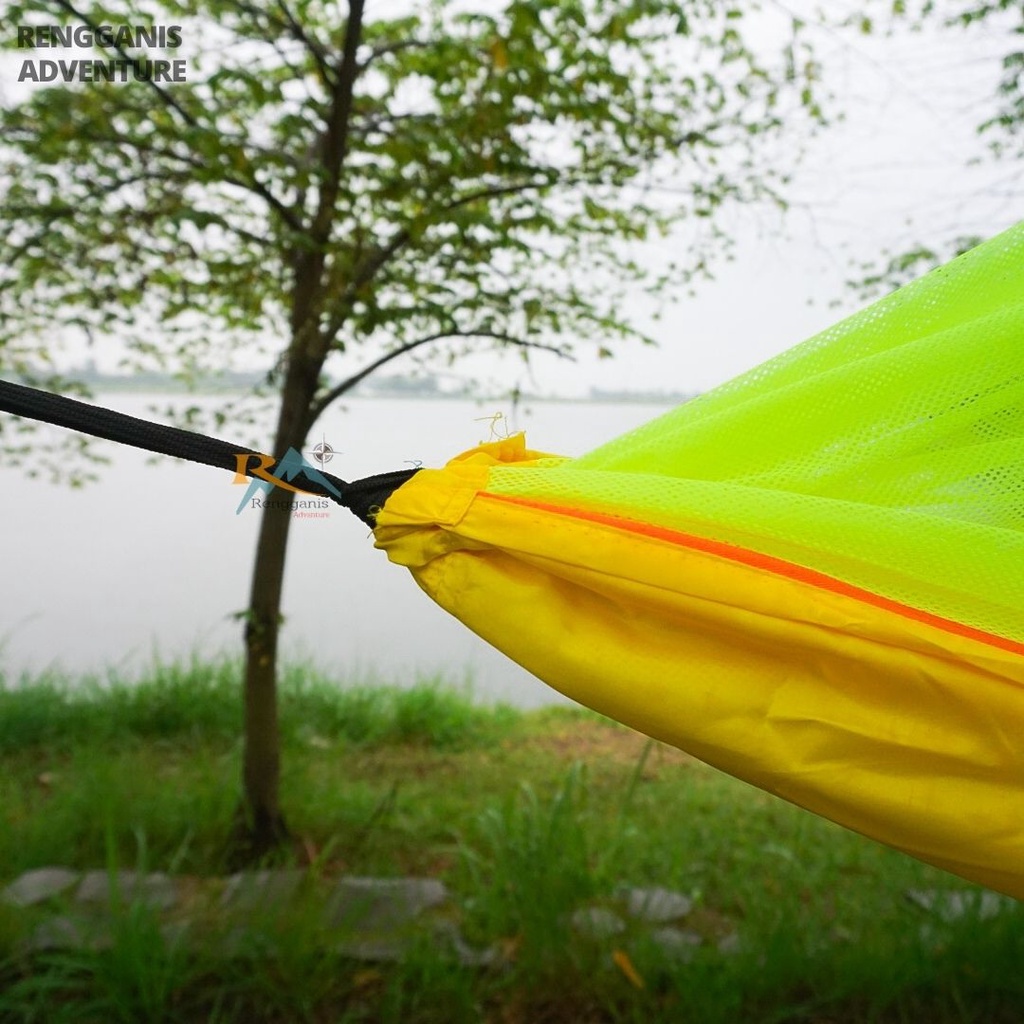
{"x": 262, "y": 826}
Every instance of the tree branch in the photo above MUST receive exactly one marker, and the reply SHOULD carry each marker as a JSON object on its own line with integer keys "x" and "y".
{"x": 252, "y": 185}
{"x": 321, "y": 403}
{"x": 494, "y": 192}
{"x": 316, "y": 51}
{"x": 287, "y": 25}
{"x": 309, "y": 262}
{"x": 164, "y": 95}
{"x": 336, "y": 136}
{"x": 365, "y": 274}
{"x": 362, "y": 277}
{"x": 380, "y": 51}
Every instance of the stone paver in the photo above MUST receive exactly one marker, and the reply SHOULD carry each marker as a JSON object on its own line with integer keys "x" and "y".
{"x": 155, "y": 890}
{"x": 38, "y": 886}
{"x": 656, "y": 906}
{"x": 953, "y": 904}
{"x": 370, "y": 919}
{"x": 249, "y": 891}
{"x": 677, "y": 943}
{"x": 63, "y": 932}
{"x": 383, "y": 904}
{"x": 597, "y": 922}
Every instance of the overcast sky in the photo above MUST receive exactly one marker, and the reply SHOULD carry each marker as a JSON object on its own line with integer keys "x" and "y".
{"x": 896, "y": 171}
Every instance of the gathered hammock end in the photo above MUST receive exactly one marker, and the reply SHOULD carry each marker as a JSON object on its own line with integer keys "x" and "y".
{"x": 811, "y": 577}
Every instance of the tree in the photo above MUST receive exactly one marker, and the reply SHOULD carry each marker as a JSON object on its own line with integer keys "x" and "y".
{"x": 325, "y": 184}
{"x": 1000, "y": 125}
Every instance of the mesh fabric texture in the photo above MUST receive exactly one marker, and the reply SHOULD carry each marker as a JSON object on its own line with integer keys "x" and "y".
{"x": 886, "y": 452}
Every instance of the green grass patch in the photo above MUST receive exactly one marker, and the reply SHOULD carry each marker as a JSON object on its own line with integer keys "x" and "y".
{"x": 526, "y": 816}
{"x": 199, "y": 701}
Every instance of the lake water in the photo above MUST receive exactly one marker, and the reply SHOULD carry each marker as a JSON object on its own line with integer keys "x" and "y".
{"x": 151, "y": 561}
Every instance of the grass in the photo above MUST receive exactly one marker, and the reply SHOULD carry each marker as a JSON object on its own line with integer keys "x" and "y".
{"x": 526, "y": 816}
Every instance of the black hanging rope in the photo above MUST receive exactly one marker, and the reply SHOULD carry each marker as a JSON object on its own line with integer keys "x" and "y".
{"x": 361, "y": 497}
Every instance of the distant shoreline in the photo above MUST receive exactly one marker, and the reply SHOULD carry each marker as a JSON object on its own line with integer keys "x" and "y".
{"x": 236, "y": 384}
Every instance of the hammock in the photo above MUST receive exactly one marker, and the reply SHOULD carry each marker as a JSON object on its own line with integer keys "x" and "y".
{"x": 810, "y": 577}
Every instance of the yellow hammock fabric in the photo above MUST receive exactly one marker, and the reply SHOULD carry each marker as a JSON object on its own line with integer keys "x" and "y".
{"x": 811, "y": 577}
